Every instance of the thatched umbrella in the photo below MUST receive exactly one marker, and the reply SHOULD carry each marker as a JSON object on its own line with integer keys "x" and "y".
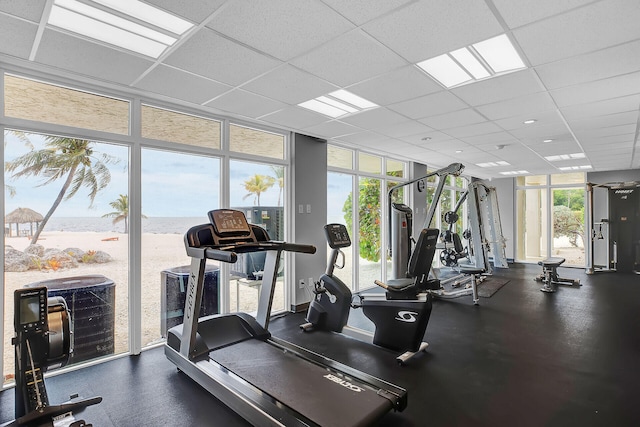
{"x": 22, "y": 216}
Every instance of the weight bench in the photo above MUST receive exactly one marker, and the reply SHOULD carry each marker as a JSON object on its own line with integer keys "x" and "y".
{"x": 550, "y": 276}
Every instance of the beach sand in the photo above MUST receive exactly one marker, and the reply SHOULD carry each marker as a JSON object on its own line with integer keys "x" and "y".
{"x": 159, "y": 252}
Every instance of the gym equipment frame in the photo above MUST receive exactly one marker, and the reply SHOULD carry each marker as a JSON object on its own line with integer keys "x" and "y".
{"x": 267, "y": 381}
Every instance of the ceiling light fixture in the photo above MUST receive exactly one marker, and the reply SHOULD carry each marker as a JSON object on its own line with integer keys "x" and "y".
{"x": 520, "y": 172}
{"x": 493, "y": 164}
{"x": 548, "y": 140}
{"x": 483, "y": 60}
{"x": 337, "y": 104}
{"x": 573, "y": 168}
{"x": 565, "y": 157}
{"x": 458, "y": 151}
{"x": 530, "y": 121}
{"x": 147, "y": 33}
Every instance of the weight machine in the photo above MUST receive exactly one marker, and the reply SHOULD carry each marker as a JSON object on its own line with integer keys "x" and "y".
{"x": 484, "y": 235}
{"x": 614, "y": 243}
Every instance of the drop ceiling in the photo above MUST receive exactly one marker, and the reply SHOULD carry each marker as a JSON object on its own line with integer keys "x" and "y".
{"x": 257, "y": 60}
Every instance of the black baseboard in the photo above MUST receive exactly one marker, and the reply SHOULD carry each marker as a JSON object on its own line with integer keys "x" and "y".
{"x": 299, "y": 308}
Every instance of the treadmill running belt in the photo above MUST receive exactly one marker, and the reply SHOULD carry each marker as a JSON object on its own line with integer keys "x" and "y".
{"x": 312, "y": 390}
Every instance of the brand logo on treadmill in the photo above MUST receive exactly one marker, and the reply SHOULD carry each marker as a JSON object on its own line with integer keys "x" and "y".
{"x": 344, "y": 383}
{"x": 407, "y": 316}
{"x": 624, "y": 191}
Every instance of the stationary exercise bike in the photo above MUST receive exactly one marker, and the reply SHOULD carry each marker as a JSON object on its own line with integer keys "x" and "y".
{"x": 400, "y": 315}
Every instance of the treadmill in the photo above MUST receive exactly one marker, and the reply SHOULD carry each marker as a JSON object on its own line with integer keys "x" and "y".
{"x": 267, "y": 381}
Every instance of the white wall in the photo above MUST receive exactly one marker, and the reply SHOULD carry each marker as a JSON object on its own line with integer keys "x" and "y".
{"x": 310, "y": 190}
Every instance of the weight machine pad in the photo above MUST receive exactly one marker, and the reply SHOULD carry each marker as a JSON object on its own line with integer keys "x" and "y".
{"x": 551, "y": 262}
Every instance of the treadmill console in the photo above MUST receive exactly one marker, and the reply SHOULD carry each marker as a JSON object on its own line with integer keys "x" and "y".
{"x": 337, "y": 236}
{"x": 229, "y": 223}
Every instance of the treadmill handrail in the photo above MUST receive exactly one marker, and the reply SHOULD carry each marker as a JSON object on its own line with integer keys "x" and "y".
{"x": 228, "y": 253}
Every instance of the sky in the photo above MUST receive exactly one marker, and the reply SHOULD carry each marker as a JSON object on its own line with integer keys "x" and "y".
{"x": 173, "y": 184}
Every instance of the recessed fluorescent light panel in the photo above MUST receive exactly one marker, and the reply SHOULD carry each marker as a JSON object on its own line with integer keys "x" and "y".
{"x": 337, "y": 104}
{"x": 574, "y": 168}
{"x": 565, "y": 157}
{"x": 493, "y": 164}
{"x": 479, "y": 61}
{"x": 129, "y": 24}
{"x": 521, "y": 172}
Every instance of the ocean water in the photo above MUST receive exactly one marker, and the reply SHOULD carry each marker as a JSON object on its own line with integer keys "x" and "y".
{"x": 160, "y": 225}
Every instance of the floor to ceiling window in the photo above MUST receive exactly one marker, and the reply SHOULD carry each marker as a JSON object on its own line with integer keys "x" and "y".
{"x": 66, "y": 203}
{"x": 143, "y": 175}
{"x": 177, "y": 191}
{"x": 357, "y": 197}
{"x": 550, "y": 218}
{"x": 258, "y": 188}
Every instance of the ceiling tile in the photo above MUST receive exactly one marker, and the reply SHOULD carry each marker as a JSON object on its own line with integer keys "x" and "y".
{"x": 596, "y": 26}
{"x": 429, "y": 105}
{"x": 518, "y": 13}
{"x": 424, "y": 139}
{"x": 349, "y": 59}
{"x": 29, "y": 10}
{"x": 398, "y": 85}
{"x": 332, "y": 129}
{"x": 374, "y": 118}
{"x": 454, "y": 119}
{"x": 598, "y": 65}
{"x": 281, "y": 28}
{"x": 599, "y": 90}
{"x": 361, "y": 11}
{"x": 628, "y": 129}
{"x": 499, "y": 88}
{"x": 611, "y": 147}
{"x": 544, "y": 120}
{"x": 295, "y": 118}
{"x": 471, "y": 130}
{"x": 405, "y": 128}
{"x": 88, "y": 58}
{"x": 490, "y": 138}
{"x": 178, "y": 84}
{"x": 194, "y": 10}
{"x": 630, "y": 117}
{"x": 602, "y": 108}
{"x": 529, "y": 105}
{"x": 426, "y": 29}
{"x": 289, "y": 84}
{"x": 245, "y": 104}
{"x": 17, "y": 37}
{"x": 217, "y": 58}
{"x": 363, "y": 138}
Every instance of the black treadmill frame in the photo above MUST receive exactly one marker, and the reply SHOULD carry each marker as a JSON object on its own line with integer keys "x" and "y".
{"x": 251, "y": 403}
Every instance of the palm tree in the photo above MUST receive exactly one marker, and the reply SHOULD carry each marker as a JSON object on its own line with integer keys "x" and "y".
{"x": 257, "y": 185}
{"x": 279, "y": 172}
{"x": 69, "y": 158}
{"x": 121, "y": 213}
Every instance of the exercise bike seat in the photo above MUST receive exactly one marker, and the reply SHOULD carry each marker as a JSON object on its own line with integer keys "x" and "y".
{"x": 552, "y": 262}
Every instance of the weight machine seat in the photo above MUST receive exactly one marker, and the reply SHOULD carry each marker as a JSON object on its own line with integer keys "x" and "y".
{"x": 550, "y": 277}
{"x": 419, "y": 267}
{"x": 552, "y": 262}
{"x": 471, "y": 270}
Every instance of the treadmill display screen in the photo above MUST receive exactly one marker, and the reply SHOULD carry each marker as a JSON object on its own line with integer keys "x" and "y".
{"x": 228, "y": 222}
